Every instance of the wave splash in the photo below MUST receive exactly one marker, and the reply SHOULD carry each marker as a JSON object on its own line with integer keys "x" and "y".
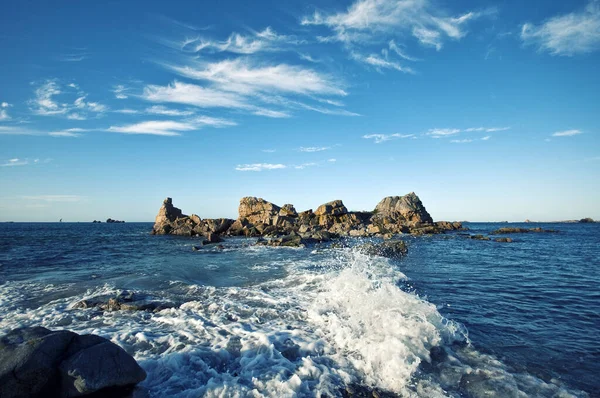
{"x": 336, "y": 325}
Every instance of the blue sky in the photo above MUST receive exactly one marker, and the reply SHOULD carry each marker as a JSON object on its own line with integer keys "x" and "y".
{"x": 488, "y": 110}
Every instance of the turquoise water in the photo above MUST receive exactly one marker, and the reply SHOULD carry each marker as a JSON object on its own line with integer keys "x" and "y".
{"x": 513, "y": 319}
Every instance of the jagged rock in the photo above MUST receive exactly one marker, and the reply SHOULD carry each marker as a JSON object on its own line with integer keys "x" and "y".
{"x": 166, "y": 215}
{"x": 288, "y": 210}
{"x": 407, "y": 208}
{"x": 37, "y": 362}
{"x": 390, "y": 249}
{"x": 257, "y": 210}
{"x": 450, "y": 226}
{"x": 333, "y": 208}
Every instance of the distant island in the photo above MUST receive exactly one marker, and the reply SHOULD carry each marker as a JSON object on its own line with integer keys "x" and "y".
{"x": 586, "y": 220}
{"x": 109, "y": 221}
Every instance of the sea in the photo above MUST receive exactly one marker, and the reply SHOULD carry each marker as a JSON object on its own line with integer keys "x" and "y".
{"x": 456, "y": 317}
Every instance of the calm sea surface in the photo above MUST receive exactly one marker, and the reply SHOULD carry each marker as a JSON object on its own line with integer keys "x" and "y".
{"x": 504, "y": 319}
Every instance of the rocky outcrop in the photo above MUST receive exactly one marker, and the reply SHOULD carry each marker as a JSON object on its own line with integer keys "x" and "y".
{"x": 37, "y": 362}
{"x": 513, "y": 230}
{"x": 390, "y": 249}
{"x": 586, "y": 220}
{"x": 124, "y": 301}
{"x": 261, "y": 218}
{"x": 171, "y": 221}
{"x": 111, "y": 221}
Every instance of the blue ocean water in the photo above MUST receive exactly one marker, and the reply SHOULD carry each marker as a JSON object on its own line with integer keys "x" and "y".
{"x": 513, "y": 319}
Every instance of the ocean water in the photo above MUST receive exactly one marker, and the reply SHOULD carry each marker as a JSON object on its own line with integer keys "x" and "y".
{"x": 455, "y": 318}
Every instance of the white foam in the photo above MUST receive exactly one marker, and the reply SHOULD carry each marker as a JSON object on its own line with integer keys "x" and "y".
{"x": 338, "y": 318}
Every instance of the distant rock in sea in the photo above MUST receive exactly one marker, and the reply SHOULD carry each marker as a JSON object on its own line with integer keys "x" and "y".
{"x": 37, "y": 362}
{"x": 111, "y": 221}
{"x": 586, "y": 220}
{"x": 286, "y": 227}
{"x": 514, "y": 230}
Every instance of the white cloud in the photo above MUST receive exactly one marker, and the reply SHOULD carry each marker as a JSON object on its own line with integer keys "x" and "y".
{"x": 190, "y": 94}
{"x": 487, "y": 137}
{"x": 154, "y": 127}
{"x": 486, "y": 129}
{"x": 259, "y": 167}
{"x": 567, "y": 133}
{"x": 16, "y": 130}
{"x": 46, "y": 102}
{"x": 74, "y": 132}
{"x": 332, "y": 160}
{"x": 54, "y": 198}
{"x": 169, "y": 127}
{"x": 305, "y": 165}
{"x": 461, "y": 141}
{"x": 5, "y": 105}
{"x": 120, "y": 91}
{"x": 400, "y": 52}
{"x": 366, "y": 19}
{"x": 243, "y": 77}
{"x": 379, "y": 138}
{"x": 267, "y": 40}
{"x": 379, "y": 63}
{"x": 271, "y": 113}
{"x": 161, "y": 110}
{"x": 4, "y": 115}
{"x": 269, "y": 150}
{"x": 567, "y": 35}
{"x": 442, "y": 132}
{"x": 127, "y": 111}
{"x": 23, "y": 162}
{"x": 314, "y": 149}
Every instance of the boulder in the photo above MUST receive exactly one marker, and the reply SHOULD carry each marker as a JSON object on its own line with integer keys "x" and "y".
{"x": 211, "y": 238}
{"x": 333, "y": 208}
{"x": 479, "y": 237}
{"x": 586, "y": 220}
{"x": 407, "y": 208}
{"x": 390, "y": 249}
{"x": 288, "y": 210}
{"x": 37, "y": 362}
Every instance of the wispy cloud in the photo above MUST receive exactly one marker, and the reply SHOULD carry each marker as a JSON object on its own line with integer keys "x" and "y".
{"x": 120, "y": 91}
{"x": 259, "y": 167}
{"x": 379, "y": 138}
{"x": 266, "y": 40}
{"x": 17, "y": 130}
{"x": 161, "y": 110}
{"x": 244, "y": 77}
{"x": 567, "y": 35}
{"x": 4, "y": 112}
{"x": 51, "y": 100}
{"x": 366, "y": 19}
{"x": 380, "y": 63}
{"x": 487, "y": 137}
{"x": 465, "y": 141}
{"x": 169, "y": 127}
{"x": 486, "y": 129}
{"x": 314, "y": 148}
{"x": 23, "y": 162}
{"x": 567, "y": 133}
{"x": 269, "y": 150}
{"x": 442, "y": 132}
{"x": 190, "y": 94}
{"x": 73, "y": 132}
{"x": 54, "y": 198}
{"x": 305, "y": 165}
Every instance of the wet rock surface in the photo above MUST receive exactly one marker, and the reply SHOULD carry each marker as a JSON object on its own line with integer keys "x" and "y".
{"x": 38, "y": 362}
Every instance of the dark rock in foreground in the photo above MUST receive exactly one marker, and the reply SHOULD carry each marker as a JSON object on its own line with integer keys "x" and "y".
{"x": 37, "y": 362}
{"x": 125, "y": 301}
{"x": 261, "y": 218}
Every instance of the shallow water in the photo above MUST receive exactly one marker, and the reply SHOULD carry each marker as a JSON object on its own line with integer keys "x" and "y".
{"x": 515, "y": 319}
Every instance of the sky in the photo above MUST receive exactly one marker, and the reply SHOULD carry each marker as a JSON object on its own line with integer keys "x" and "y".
{"x": 488, "y": 110}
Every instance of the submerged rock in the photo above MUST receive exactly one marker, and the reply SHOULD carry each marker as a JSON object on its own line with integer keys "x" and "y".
{"x": 125, "y": 301}
{"x": 37, "y": 362}
{"x": 479, "y": 237}
{"x": 506, "y": 240}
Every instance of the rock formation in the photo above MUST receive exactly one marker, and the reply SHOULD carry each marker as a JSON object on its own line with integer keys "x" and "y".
{"x": 261, "y": 218}
{"x": 37, "y": 362}
{"x": 170, "y": 220}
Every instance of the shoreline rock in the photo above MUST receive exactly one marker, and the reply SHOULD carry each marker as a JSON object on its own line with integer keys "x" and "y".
{"x": 260, "y": 218}
{"x": 38, "y": 362}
